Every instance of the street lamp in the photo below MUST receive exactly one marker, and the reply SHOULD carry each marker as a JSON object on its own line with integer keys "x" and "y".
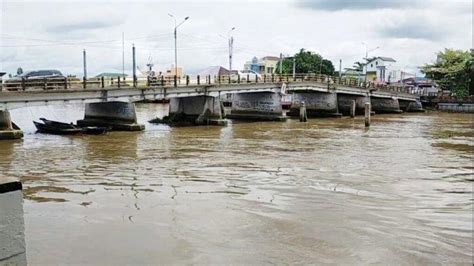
{"x": 176, "y": 25}
{"x": 367, "y": 58}
{"x": 231, "y": 46}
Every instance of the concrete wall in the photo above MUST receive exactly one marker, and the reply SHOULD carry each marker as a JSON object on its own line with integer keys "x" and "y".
{"x": 257, "y": 106}
{"x": 195, "y": 105}
{"x": 12, "y": 228}
{"x": 5, "y": 120}
{"x": 118, "y": 111}
{"x": 456, "y": 107}
{"x": 317, "y": 103}
{"x": 385, "y": 105}
{"x": 345, "y": 103}
{"x": 410, "y": 106}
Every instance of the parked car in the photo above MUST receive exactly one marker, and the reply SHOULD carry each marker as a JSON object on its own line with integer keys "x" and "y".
{"x": 35, "y": 79}
{"x": 244, "y": 74}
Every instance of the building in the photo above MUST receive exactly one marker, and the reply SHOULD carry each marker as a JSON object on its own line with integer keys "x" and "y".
{"x": 109, "y": 75}
{"x": 264, "y": 65}
{"x": 381, "y": 69}
{"x": 214, "y": 71}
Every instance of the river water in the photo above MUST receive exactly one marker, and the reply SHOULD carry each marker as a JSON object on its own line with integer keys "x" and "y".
{"x": 326, "y": 191}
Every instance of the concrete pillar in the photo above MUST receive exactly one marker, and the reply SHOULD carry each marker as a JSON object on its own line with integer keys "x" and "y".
{"x": 195, "y": 110}
{"x": 116, "y": 115}
{"x": 303, "y": 114}
{"x": 8, "y": 130}
{"x": 411, "y": 106}
{"x": 367, "y": 114}
{"x": 385, "y": 105}
{"x": 12, "y": 227}
{"x": 265, "y": 106}
{"x": 344, "y": 102}
{"x": 318, "y": 104}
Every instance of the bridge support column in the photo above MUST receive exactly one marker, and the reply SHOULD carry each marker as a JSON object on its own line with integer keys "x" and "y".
{"x": 8, "y": 130}
{"x": 411, "y": 106}
{"x": 195, "y": 110}
{"x": 264, "y": 106}
{"x": 385, "y": 105}
{"x": 344, "y": 102}
{"x": 318, "y": 104}
{"x": 12, "y": 233}
{"x": 119, "y": 116}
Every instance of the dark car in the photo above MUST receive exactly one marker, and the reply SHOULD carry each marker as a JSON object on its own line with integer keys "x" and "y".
{"x": 35, "y": 79}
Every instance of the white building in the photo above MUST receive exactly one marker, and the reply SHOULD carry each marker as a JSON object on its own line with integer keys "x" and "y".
{"x": 382, "y": 69}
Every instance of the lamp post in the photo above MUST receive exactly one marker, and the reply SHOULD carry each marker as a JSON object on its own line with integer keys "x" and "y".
{"x": 231, "y": 46}
{"x": 176, "y": 25}
{"x": 367, "y": 58}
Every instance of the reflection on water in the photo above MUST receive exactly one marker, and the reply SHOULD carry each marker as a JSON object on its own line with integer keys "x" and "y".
{"x": 327, "y": 191}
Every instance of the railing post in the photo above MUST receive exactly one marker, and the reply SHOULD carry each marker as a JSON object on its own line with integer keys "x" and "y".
{"x": 286, "y": 78}
{"x": 209, "y": 80}
{"x": 238, "y": 78}
{"x": 84, "y": 82}
{"x": 45, "y": 84}
{"x": 187, "y": 80}
{"x": 280, "y": 77}
{"x": 273, "y": 78}
{"x": 219, "y": 79}
{"x": 229, "y": 79}
{"x": 264, "y": 78}
{"x": 248, "y": 81}
{"x": 175, "y": 80}
{"x": 65, "y": 83}
{"x": 23, "y": 84}
{"x": 135, "y": 81}
{"x": 118, "y": 81}
{"x": 198, "y": 80}
{"x": 102, "y": 83}
{"x": 162, "y": 79}
{"x": 256, "y": 79}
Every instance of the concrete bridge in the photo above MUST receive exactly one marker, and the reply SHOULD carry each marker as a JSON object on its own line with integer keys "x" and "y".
{"x": 202, "y": 104}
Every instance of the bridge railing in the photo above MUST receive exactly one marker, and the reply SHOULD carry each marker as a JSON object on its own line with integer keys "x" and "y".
{"x": 194, "y": 80}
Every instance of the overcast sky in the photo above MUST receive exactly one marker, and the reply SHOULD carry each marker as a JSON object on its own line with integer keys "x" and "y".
{"x": 52, "y": 35}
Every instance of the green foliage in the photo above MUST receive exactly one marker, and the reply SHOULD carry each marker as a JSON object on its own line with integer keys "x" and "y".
{"x": 307, "y": 62}
{"x": 452, "y": 71}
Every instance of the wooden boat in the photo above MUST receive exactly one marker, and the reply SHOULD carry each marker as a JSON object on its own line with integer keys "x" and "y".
{"x": 60, "y": 128}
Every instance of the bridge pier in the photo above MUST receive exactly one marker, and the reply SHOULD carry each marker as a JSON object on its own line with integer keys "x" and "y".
{"x": 195, "y": 110}
{"x": 119, "y": 116}
{"x": 385, "y": 105}
{"x": 8, "y": 130}
{"x": 344, "y": 102}
{"x": 318, "y": 104}
{"x": 263, "y": 106}
{"x": 12, "y": 233}
{"x": 411, "y": 106}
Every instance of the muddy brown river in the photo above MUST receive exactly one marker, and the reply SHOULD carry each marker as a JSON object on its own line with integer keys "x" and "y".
{"x": 326, "y": 191}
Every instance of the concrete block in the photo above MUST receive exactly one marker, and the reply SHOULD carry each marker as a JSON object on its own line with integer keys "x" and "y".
{"x": 12, "y": 228}
{"x": 257, "y": 106}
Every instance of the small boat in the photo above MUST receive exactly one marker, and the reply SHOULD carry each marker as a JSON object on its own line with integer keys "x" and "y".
{"x": 60, "y": 128}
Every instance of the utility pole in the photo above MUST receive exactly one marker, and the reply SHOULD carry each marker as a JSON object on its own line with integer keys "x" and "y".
{"x": 123, "y": 54}
{"x": 340, "y": 69}
{"x": 176, "y": 43}
{"x": 281, "y": 63}
{"x": 84, "y": 63}
{"x": 231, "y": 47}
{"x": 294, "y": 67}
{"x": 134, "y": 65}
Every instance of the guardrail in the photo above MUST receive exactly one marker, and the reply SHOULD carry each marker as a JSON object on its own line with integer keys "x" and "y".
{"x": 197, "y": 80}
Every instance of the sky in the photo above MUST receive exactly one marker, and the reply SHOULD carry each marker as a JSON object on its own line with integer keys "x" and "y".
{"x": 53, "y": 34}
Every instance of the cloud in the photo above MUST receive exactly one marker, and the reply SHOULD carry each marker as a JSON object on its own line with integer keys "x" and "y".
{"x": 81, "y": 26}
{"x": 336, "y": 5}
{"x": 414, "y": 30}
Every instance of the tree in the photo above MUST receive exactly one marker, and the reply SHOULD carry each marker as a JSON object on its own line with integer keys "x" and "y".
{"x": 452, "y": 71}
{"x": 307, "y": 62}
